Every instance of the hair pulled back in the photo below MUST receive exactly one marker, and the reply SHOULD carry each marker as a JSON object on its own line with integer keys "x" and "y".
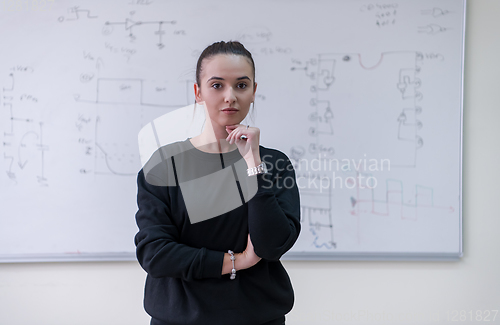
{"x": 231, "y": 47}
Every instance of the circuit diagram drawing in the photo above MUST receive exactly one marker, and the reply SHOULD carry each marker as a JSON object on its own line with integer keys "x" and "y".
{"x": 76, "y": 12}
{"x": 393, "y": 123}
{"x": 384, "y": 121}
{"x": 130, "y": 23}
{"x": 112, "y": 104}
{"x": 316, "y": 204}
{"x": 136, "y": 91}
{"x": 104, "y": 143}
{"x": 432, "y": 29}
{"x": 435, "y": 12}
{"x": 316, "y": 212}
{"x": 24, "y": 148}
{"x": 125, "y": 100}
{"x": 110, "y": 109}
{"x": 394, "y": 201}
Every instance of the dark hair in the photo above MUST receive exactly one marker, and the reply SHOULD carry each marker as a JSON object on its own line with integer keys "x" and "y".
{"x": 231, "y": 47}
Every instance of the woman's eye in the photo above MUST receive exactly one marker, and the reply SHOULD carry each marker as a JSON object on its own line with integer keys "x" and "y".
{"x": 216, "y": 86}
{"x": 242, "y": 85}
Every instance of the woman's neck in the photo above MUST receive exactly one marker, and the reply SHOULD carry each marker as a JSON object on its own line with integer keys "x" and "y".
{"x": 213, "y": 142}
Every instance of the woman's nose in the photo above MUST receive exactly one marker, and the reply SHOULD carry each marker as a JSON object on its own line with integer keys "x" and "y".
{"x": 229, "y": 95}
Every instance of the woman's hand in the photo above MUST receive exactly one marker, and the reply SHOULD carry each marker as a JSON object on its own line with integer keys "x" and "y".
{"x": 244, "y": 260}
{"x": 248, "y": 255}
{"x": 249, "y": 147}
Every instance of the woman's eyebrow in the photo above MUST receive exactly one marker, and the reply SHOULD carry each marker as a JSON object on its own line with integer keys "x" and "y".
{"x": 215, "y": 78}
{"x": 219, "y": 78}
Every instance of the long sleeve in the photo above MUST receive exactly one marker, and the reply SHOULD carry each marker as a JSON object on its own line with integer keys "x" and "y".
{"x": 274, "y": 211}
{"x": 158, "y": 248}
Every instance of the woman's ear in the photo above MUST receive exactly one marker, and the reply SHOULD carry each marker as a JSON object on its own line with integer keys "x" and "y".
{"x": 254, "y": 90}
{"x": 197, "y": 93}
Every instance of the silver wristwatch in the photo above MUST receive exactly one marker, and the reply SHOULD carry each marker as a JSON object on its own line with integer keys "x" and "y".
{"x": 260, "y": 169}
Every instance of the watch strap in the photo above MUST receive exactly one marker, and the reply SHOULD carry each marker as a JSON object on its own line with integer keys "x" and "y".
{"x": 259, "y": 169}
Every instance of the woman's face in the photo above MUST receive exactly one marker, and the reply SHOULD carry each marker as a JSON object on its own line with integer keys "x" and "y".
{"x": 227, "y": 88}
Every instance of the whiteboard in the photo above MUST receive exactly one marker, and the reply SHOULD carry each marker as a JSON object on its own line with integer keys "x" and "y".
{"x": 364, "y": 97}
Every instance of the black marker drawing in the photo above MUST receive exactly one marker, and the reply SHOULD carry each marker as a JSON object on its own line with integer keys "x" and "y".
{"x": 435, "y": 12}
{"x": 136, "y": 91}
{"x": 335, "y": 79}
{"x": 129, "y": 24}
{"x": 23, "y": 144}
{"x": 432, "y": 29}
{"x": 316, "y": 211}
{"x": 77, "y": 11}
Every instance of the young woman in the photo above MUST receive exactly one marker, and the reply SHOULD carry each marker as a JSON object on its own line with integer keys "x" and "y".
{"x": 217, "y": 211}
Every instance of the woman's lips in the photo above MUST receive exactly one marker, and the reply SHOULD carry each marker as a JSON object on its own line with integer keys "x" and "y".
{"x": 230, "y": 111}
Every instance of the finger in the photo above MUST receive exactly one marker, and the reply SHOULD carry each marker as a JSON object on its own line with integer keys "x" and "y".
{"x": 231, "y": 130}
{"x": 248, "y": 247}
{"x": 232, "y": 127}
{"x": 235, "y": 135}
{"x": 244, "y": 132}
{"x": 230, "y": 135}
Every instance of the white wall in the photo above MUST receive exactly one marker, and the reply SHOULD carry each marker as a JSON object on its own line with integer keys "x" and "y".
{"x": 327, "y": 292}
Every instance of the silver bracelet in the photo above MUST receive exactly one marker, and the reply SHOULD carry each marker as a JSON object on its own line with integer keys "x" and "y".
{"x": 233, "y": 271}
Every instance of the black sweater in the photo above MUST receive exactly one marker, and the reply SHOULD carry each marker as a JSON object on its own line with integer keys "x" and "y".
{"x": 183, "y": 254}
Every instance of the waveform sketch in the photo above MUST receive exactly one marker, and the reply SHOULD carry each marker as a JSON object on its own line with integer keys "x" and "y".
{"x": 76, "y": 14}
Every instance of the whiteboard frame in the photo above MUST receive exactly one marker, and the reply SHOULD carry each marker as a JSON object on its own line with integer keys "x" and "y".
{"x": 290, "y": 256}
